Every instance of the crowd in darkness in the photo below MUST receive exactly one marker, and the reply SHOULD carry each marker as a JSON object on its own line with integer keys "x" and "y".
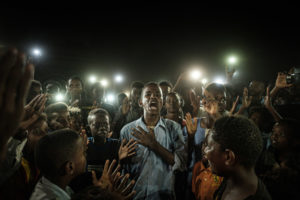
{"x": 164, "y": 141}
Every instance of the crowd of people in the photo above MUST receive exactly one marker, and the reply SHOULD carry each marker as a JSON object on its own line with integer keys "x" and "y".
{"x": 163, "y": 141}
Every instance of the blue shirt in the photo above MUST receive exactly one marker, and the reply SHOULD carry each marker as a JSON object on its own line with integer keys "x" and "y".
{"x": 154, "y": 177}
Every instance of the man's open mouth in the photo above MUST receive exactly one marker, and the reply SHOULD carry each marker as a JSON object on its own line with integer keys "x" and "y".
{"x": 153, "y": 105}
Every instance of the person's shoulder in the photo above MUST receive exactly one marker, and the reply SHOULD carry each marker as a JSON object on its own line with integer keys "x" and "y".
{"x": 129, "y": 126}
{"x": 171, "y": 123}
{"x": 261, "y": 192}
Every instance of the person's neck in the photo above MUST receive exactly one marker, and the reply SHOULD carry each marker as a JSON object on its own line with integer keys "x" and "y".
{"x": 151, "y": 119}
{"x": 60, "y": 182}
{"x": 243, "y": 179}
{"x": 173, "y": 116}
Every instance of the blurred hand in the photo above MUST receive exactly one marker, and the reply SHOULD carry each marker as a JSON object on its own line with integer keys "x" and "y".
{"x": 246, "y": 101}
{"x": 144, "y": 138}
{"x": 113, "y": 181}
{"x": 267, "y": 100}
{"x": 125, "y": 106}
{"x": 234, "y": 105}
{"x": 195, "y": 102}
{"x": 15, "y": 78}
{"x": 281, "y": 81}
{"x": 127, "y": 149}
{"x": 191, "y": 124}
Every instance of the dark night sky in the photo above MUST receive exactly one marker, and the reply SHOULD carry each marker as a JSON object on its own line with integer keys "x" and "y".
{"x": 155, "y": 42}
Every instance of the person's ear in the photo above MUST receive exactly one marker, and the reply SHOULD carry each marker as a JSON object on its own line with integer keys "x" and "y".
{"x": 70, "y": 168}
{"x": 230, "y": 157}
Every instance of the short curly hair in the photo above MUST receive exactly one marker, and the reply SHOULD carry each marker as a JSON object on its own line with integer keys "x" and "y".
{"x": 240, "y": 135}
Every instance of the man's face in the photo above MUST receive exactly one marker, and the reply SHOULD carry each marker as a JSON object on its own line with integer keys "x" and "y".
{"x": 98, "y": 93}
{"x": 209, "y": 98}
{"x": 99, "y": 125}
{"x": 60, "y": 120}
{"x": 256, "y": 88}
{"x": 214, "y": 155}
{"x": 74, "y": 87}
{"x": 135, "y": 96}
{"x": 278, "y": 138}
{"x": 52, "y": 89}
{"x": 35, "y": 91}
{"x": 165, "y": 90}
{"x": 80, "y": 157}
{"x": 172, "y": 103}
{"x": 152, "y": 100}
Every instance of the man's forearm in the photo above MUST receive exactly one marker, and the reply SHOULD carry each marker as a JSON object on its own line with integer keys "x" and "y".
{"x": 167, "y": 156}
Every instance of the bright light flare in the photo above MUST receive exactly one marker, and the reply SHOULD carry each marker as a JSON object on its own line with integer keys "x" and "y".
{"x": 219, "y": 80}
{"x": 110, "y": 98}
{"x": 195, "y": 74}
{"x": 37, "y": 52}
{"x": 204, "y": 81}
{"x": 118, "y": 78}
{"x": 92, "y": 79}
{"x": 104, "y": 83}
{"x": 232, "y": 60}
{"x": 59, "y": 97}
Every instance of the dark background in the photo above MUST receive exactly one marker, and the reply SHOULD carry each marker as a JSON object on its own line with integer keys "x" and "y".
{"x": 154, "y": 42}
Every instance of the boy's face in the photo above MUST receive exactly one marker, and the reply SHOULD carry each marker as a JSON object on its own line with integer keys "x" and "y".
{"x": 152, "y": 100}
{"x": 80, "y": 157}
{"x": 165, "y": 90}
{"x": 215, "y": 155}
{"x": 172, "y": 103}
{"x": 209, "y": 98}
{"x": 135, "y": 96}
{"x": 278, "y": 138}
{"x": 74, "y": 87}
{"x": 99, "y": 125}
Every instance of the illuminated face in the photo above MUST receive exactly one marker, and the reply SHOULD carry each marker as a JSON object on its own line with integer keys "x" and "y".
{"x": 165, "y": 90}
{"x": 152, "y": 100}
{"x": 209, "y": 98}
{"x": 135, "y": 96}
{"x": 99, "y": 125}
{"x": 278, "y": 138}
{"x": 172, "y": 103}
{"x": 215, "y": 155}
{"x": 74, "y": 87}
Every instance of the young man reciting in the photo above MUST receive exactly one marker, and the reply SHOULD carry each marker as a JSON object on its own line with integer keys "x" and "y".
{"x": 160, "y": 149}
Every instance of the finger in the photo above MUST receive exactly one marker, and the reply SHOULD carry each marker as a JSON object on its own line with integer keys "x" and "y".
{"x": 106, "y": 165}
{"x": 94, "y": 177}
{"x": 116, "y": 178}
{"x": 195, "y": 121}
{"x": 15, "y": 75}
{"x": 136, "y": 135}
{"x": 116, "y": 170}
{"x": 123, "y": 183}
{"x": 131, "y": 154}
{"x": 237, "y": 99}
{"x": 33, "y": 101}
{"x": 141, "y": 130}
{"x": 128, "y": 187}
{"x": 42, "y": 106}
{"x": 268, "y": 91}
{"x": 123, "y": 142}
{"x": 132, "y": 145}
{"x": 110, "y": 169}
{"x": 131, "y": 195}
{"x": 24, "y": 85}
{"x": 6, "y": 64}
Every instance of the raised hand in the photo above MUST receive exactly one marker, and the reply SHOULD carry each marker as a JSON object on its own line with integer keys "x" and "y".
{"x": 125, "y": 106}
{"x": 33, "y": 110}
{"x": 114, "y": 182}
{"x": 191, "y": 124}
{"x": 281, "y": 81}
{"x": 15, "y": 78}
{"x": 246, "y": 101}
{"x": 267, "y": 100}
{"x": 195, "y": 102}
{"x": 144, "y": 138}
{"x": 234, "y": 105}
{"x": 127, "y": 149}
